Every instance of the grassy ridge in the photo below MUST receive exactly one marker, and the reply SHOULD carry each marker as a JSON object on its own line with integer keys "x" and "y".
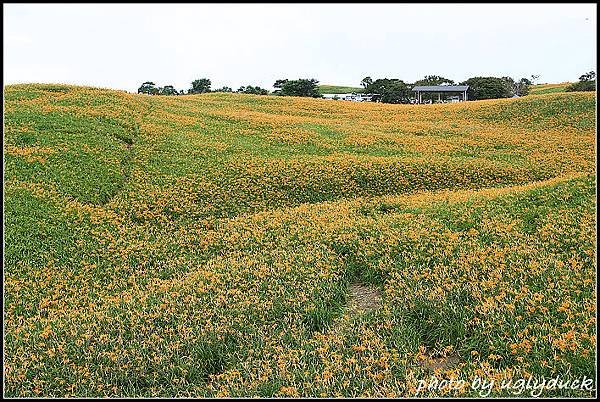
{"x": 337, "y": 89}
{"x": 548, "y": 88}
{"x": 203, "y": 245}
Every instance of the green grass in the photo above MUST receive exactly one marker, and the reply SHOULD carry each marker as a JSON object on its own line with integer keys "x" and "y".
{"x": 337, "y": 89}
{"x": 548, "y": 88}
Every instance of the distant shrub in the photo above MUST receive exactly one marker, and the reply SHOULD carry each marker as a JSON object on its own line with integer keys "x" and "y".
{"x": 148, "y": 88}
{"x": 253, "y": 90}
{"x": 223, "y": 89}
{"x": 168, "y": 90}
{"x": 582, "y": 86}
{"x": 518, "y": 88}
{"x": 200, "y": 86}
{"x": 587, "y": 82}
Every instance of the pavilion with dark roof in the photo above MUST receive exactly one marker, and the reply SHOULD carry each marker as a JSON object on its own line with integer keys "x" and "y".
{"x": 441, "y": 89}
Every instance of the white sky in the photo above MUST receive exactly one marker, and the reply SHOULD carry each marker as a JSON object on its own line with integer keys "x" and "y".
{"x": 122, "y": 45}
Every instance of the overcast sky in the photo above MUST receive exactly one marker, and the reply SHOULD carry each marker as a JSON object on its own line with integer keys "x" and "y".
{"x": 120, "y": 46}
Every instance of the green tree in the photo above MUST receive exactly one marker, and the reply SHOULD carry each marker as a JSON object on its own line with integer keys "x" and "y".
{"x": 366, "y": 82}
{"x": 388, "y": 90}
{"x": 253, "y": 90}
{"x": 200, "y": 86}
{"x": 168, "y": 90}
{"x": 591, "y": 76}
{"x": 149, "y": 88}
{"x": 278, "y": 85}
{"x": 223, "y": 89}
{"x": 300, "y": 87}
{"x": 487, "y": 88}
{"x": 510, "y": 85}
{"x": 522, "y": 87}
{"x": 517, "y": 88}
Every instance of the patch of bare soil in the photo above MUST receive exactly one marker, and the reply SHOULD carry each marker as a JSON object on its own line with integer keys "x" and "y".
{"x": 441, "y": 363}
{"x": 363, "y": 298}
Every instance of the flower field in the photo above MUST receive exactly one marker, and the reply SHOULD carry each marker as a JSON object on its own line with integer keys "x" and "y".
{"x": 205, "y": 245}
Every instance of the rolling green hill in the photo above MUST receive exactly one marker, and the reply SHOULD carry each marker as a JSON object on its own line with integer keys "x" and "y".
{"x": 212, "y": 245}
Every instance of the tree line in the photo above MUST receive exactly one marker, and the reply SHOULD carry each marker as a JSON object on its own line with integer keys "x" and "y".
{"x": 397, "y": 91}
{"x": 283, "y": 87}
{"x": 385, "y": 90}
{"x": 393, "y": 90}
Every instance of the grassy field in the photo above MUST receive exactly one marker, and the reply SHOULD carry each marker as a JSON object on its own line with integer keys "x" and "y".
{"x": 548, "y": 88}
{"x": 336, "y": 89}
{"x": 207, "y": 245}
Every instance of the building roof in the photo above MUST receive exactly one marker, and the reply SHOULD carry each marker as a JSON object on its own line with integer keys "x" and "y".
{"x": 440, "y": 88}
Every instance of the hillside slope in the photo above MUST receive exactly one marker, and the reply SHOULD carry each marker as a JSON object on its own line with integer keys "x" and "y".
{"x": 541, "y": 89}
{"x": 338, "y": 89}
{"x": 204, "y": 245}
